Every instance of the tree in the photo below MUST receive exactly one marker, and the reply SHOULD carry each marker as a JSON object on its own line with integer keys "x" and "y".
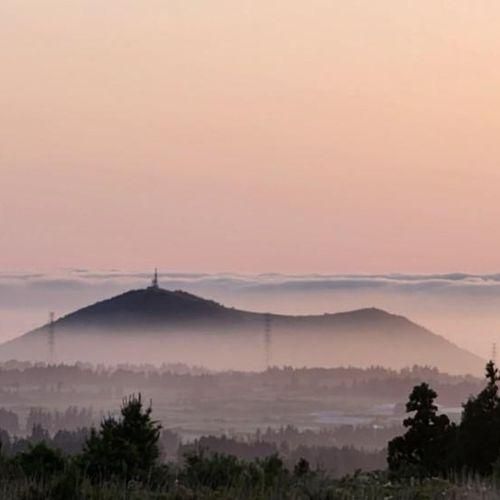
{"x": 302, "y": 468}
{"x": 425, "y": 449}
{"x": 125, "y": 448}
{"x": 211, "y": 470}
{"x": 479, "y": 436}
{"x": 40, "y": 461}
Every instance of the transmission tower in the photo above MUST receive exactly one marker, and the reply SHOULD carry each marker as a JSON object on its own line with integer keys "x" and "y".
{"x": 51, "y": 338}
{"x": 268, "y": 338}
{"x": 494, "y": 352}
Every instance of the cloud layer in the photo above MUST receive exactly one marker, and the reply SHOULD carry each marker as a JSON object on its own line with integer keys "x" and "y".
{"x": 462, "y": 307}
{"x": 32, "y": 287}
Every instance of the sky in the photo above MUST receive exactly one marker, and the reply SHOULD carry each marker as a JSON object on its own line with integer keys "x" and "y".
{"x": 251, "y": 136}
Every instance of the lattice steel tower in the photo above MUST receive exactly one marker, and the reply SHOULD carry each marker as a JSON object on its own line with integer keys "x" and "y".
{"x": 268, "y": 339}
{"x": 51, "y": 339}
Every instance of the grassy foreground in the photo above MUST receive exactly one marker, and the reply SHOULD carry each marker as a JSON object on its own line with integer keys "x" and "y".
{"x": 311, "y": 487}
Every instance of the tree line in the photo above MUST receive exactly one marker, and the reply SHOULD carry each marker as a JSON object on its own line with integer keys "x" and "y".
{"x": 124, "y": 455}
{"x": 289, "y": 443}
{"x": 122, "y": 459}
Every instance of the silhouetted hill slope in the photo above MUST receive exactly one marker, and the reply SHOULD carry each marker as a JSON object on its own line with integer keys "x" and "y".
{"x": 177, "y": 323}
{"x": 148, "y": 308}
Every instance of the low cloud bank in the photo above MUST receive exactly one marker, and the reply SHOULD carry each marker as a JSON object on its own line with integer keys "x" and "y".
{"x": 463, "y": 307}
{"x": 80, "y": 280}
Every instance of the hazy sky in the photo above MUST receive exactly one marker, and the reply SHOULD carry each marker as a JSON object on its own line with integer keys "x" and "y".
{"x": 296, "y": 136}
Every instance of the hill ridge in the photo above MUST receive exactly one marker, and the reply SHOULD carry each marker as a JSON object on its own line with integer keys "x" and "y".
{"x": 155, "y": 315}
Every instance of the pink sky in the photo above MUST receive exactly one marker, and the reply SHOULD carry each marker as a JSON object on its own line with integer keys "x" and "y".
{"x": 293, "y": 136}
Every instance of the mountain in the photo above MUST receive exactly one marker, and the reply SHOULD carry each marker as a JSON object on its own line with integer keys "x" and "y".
{"x": 155, "y": 325}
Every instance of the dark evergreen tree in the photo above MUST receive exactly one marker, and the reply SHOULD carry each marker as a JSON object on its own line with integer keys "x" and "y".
{"x": 426, "y": 448}
{"x": 479, "y": 436}
{"x": 125, "y": 448}
{"x": 40, "y": 461}
{"x": 302, "y": 468}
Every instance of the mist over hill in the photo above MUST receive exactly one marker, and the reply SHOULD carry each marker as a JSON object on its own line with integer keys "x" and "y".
{"x": 461, "y": 307}
{"x": 157, "y": 325}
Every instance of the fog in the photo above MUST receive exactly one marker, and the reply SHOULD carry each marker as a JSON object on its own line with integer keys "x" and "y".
{"x": 297, "y": 410}
{"x": 214, "y": 383}
{"x": 462, "y": 308}
{"x": 242, "y": 350}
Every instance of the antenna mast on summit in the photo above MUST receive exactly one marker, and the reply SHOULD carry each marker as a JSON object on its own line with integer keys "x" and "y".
{"x": 154, "y": 283}
{"x": 494, "y": 352}
{"x": 51, "y": 338}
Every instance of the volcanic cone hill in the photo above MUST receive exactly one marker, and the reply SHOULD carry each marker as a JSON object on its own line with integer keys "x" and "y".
{"x": 155, "y": 325}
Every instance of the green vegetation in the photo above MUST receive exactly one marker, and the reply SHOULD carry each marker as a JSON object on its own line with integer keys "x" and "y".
{"x": 121, "y": 459}
{"x": 126, "y": 448}
{"x": 433, "y": 446}
{"x": 427, "y": 447}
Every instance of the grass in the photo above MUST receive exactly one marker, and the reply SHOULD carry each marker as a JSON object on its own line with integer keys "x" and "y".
{"x": 357, "y": 487}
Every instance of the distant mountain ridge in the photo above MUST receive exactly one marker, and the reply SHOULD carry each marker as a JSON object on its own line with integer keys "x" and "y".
{"x": 161, "y": 317}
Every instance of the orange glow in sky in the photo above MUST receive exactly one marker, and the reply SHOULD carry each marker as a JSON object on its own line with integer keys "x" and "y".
{"x": 294, "y": 136}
